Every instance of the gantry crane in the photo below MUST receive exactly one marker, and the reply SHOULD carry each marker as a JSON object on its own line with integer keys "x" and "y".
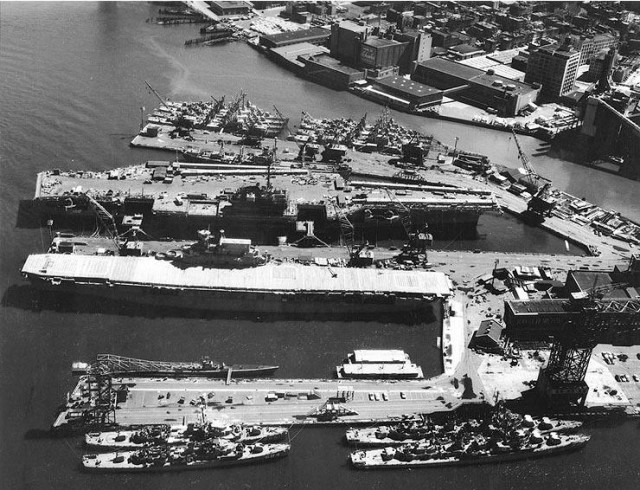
{"x": 562, "y": 381}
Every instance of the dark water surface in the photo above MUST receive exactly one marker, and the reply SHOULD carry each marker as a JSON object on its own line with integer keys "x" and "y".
{"x": 71, "y": 87}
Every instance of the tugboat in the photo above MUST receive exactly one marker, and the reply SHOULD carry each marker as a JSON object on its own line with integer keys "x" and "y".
{"x": 182, "y": 434}
{"x": 209, "y": 454}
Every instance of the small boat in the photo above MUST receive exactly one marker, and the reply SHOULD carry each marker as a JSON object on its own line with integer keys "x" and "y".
{"x": 210, "y": 454}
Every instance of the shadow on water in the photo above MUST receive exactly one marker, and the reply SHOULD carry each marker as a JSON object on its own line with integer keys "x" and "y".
{"x": 29, "y": 215}
{"x": 38, "y": 434}
{"x": 26, "y": 297}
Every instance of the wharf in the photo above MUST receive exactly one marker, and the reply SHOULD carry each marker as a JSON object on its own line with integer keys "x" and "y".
{"x": 270, "y": 402}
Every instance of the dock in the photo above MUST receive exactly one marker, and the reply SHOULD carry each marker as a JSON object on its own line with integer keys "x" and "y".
{"x": 269, "y": 402}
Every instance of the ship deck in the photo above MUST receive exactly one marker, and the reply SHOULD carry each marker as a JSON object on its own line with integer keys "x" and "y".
{"x": 287, "y": 278}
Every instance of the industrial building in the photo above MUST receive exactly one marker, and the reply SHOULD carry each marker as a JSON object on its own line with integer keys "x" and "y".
{"x": 346, "y": 39}
{"x": 229, "y": 8}
{"x": 554, "y": 67}
{"x": 487, "y": 337}
{"x": 418, "y": 49}
{"x": 476, "y": 87}
{"x": 379, "y": 52}
{"x": 590, "y": 46}
{"x": 403, "y": 93}
{"x": 330, "y": 72}
{"x": 607, "y": 298}
{"x": 314, "y": 35}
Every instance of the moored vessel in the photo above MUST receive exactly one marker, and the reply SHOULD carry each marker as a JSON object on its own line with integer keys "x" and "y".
{"x": 477, "y": 451}
{"x": 129, "y": 366}
{"x": 182, "y": 434}
{"x": 417, "y": 431}
{"x": 376, "y": 364}
{"x": 186, "y": 457}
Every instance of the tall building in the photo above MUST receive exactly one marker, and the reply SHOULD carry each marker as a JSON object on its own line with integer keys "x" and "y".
{"x": 590, "y": 46}
{"x": 418, "y": 49}
{"x": 346, "y": 39}
{"x": 554, "y": 67}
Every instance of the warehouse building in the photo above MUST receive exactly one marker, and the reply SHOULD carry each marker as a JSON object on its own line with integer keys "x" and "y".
{"x": 379, "y": 52}
{"x": 475, "y": 86}
{"x": 402, "y": 91}
{"x": 229, "y": 8}
{"x": 314, "y": 35}
{"x": 330, "y": 72}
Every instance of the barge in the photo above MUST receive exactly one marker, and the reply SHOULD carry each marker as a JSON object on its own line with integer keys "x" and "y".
{"x": 379, "y": 364}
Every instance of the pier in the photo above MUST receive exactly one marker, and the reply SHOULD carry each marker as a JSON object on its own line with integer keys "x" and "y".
{"x": 269, "y": 402}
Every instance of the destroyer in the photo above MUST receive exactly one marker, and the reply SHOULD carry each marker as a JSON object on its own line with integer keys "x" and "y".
{"x": 477, "y": 451}
{"x": 186, "y": 457}
{"x": 414, "y": 431}
{"x": 182, "y": 434}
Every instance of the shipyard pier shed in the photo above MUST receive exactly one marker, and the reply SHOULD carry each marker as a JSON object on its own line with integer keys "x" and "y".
{"x": 290, "y": 288}
{"x": 416, "y": 95}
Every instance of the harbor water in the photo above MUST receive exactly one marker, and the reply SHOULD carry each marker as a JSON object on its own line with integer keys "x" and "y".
{"x": 71, "y": 91}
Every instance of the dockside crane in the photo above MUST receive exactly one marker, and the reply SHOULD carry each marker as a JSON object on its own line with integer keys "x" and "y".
{"x": 562, "y": 382}
{"x": 153, "y": 91}
{"x": 532, "y": 175}
{"x": 541, "y": 203}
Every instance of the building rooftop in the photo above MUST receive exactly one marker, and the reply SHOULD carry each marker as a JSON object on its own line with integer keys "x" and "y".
{"x": 558, "y": 50}
{"x": 378, "y": 42}
{"x": 230, "y": 5}
{"x": 500, "y": 83}
{"x": 353, "y": 26}
{"x": 334, "y": 64}
{"x": 300, "y": 49}
{"x": 451, "y": 68}
{"x": 300, "y": 35}
{"x": 466, "y": 49}
{"x": 538, "y": 306}
{"x": 407, "y": 85}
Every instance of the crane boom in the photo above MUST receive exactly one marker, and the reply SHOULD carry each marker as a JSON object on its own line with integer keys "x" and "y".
{"x": 156, "y": 94}
{"x": 525, "y": 160}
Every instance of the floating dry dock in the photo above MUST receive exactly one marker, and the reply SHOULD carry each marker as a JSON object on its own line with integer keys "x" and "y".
{"x": 286, "y": 288}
